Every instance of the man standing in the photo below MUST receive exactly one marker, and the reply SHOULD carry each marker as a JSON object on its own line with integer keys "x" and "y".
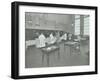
{"x": 40, "y": 41}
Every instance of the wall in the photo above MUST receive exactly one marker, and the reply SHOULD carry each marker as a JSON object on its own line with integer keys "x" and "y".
{"x": 5, "y": 40}
{"x": 49, "y": 21}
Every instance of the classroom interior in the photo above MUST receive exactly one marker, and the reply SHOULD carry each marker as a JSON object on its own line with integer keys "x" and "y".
{"x": 56, "y": 40}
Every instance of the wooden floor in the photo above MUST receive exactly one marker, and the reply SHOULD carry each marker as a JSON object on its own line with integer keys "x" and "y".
{"x": 33, "y": 57}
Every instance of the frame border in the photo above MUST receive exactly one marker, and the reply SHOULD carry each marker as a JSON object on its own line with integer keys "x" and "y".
{"x": 15, "y": 39}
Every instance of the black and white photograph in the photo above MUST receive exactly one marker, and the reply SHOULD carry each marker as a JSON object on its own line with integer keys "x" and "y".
{"x": 51, "y": 40}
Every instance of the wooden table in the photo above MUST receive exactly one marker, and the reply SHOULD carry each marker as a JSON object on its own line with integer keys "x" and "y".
{"x": 48, "y": 51}
{"x": 70, "y": 44}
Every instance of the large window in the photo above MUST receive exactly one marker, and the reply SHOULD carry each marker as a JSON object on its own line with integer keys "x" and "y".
{"x": 77, "y": 24}
{"x": 86, "y": 25}
{"x": 81, "y": 21}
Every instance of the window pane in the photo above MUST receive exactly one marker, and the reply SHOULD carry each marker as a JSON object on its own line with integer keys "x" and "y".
{"x": 86, "y": 25}
{"x": 77, "y": 16}
{"x": 77, "y": 24}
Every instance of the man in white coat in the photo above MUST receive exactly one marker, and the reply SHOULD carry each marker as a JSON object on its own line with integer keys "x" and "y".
{"x": 64, "y": 36}
{"x": 52, "y": 39}
{"x": 40, "y": 42}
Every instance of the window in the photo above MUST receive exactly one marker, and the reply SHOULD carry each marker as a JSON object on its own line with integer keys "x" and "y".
{"x": 77, "y": 24}
{"x": 84, "y": 18}
{"x": 86, "y": 25}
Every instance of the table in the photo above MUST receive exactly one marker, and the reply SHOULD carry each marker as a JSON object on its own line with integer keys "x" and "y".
{"x": 48, "y": 51}
{"x": 29, "y": 43}
{"x": 71, "y": 44}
